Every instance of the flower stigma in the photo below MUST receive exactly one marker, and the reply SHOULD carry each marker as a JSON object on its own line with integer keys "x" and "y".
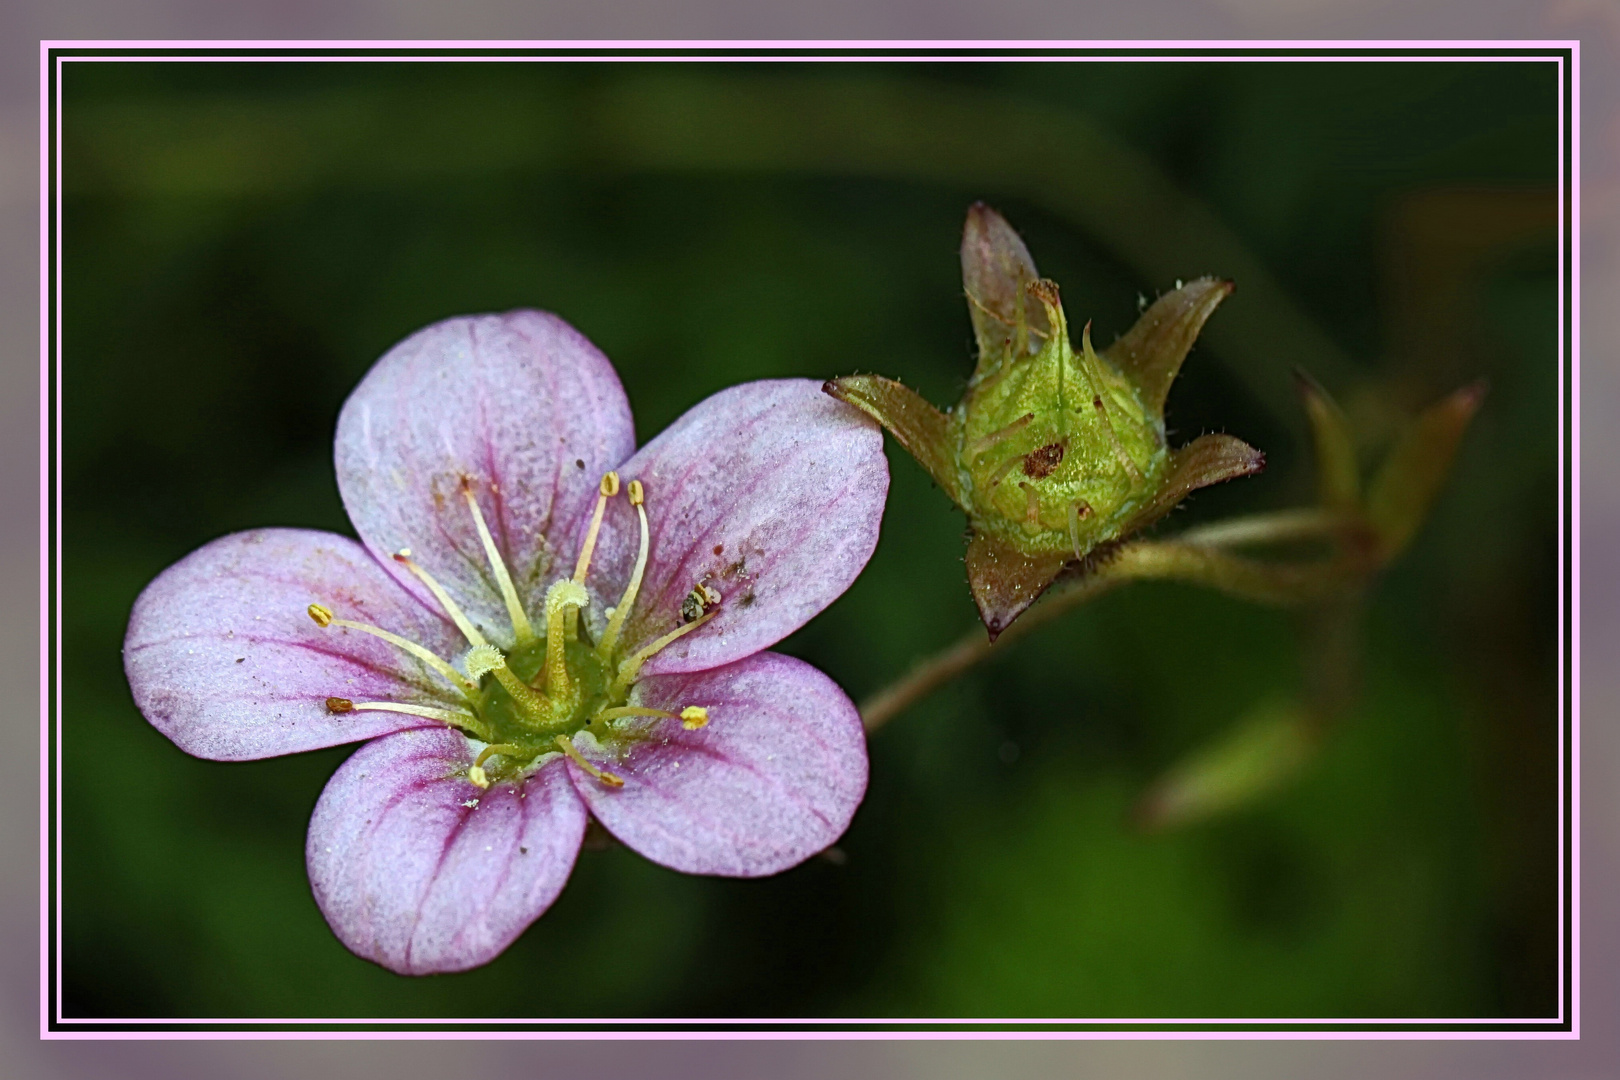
{"x": 526, "y": 703}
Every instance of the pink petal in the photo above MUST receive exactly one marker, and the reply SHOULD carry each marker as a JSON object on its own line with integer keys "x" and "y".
{"x": 771, "y": 493}
{"x": 223, "y": 658}
{"x": 520, "y": 403}
{"x": 773, "y": 778}
{"x": 420, "y": 871}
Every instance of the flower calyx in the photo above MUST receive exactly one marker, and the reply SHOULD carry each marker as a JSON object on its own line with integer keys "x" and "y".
{"x": 1053, "y": 452}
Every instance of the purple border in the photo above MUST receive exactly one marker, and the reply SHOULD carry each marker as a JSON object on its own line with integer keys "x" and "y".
{"x": 1569, "y": 573}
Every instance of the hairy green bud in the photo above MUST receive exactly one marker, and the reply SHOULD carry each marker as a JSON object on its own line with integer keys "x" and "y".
{"x": 1053, "y": 452}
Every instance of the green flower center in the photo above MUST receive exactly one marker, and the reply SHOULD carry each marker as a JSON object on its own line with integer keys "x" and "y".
{"x": 532, "y": 700}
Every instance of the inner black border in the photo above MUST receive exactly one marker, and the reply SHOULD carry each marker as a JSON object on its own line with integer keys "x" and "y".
{"x": 67, "y": 1028}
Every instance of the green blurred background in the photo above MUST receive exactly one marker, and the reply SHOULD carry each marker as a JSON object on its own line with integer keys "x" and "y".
{"x": 243, "y": 240}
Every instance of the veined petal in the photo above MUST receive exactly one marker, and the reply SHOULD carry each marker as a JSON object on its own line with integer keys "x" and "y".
{"x": 223, "y": 658}
{"x": 771, "y": 493}
{"x": 772, "y": 778}
{"x": 523, "y": 406}
{"x": 417, "y": 869}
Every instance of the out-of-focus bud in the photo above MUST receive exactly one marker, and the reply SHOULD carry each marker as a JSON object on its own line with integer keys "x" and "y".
{"x": 1402, "y": 490}
{"x": 1053, "y": 452}
{"x": 1257, "y": 755}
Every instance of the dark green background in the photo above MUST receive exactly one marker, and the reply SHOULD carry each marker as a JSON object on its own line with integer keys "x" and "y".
{"x": 243, "y": 240}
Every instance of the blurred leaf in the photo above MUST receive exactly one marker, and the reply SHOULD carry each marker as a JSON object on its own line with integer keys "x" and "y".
{"x": 1257, "y": 756}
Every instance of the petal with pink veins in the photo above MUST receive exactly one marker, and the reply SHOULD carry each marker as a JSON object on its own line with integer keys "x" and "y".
{"x": 772, "y": 778}
{"x": 522, "y": 406}
{"x": 223, "y": 657}
{"x": 419, "y": 870}
{"x": 771, "y": 493}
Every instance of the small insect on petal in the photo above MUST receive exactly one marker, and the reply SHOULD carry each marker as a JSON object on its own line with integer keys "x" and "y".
{"x": 699, "y": 602}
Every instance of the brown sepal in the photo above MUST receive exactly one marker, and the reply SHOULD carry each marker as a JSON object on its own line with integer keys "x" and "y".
{"x": 1151, "y": 352}
{"x": 1005, "y": 581}
{"x": 996, "y": 271}
{"x": 1411, "y": 476}
{"x": 1208, "y": 459}
{"x": 915, "y": 424}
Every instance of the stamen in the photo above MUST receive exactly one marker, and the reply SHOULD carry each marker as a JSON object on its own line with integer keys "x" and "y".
{"x": 633, "y": 710}
{"x": 978, "y": 446}
{"x": 605, "y": 490}
{"x": 579, "y": 759}
{"x": 465, "y": 721}
{"x": 629, "y": 668}
{"x": 694, "y": 717}
{"x": 486, "y": 659}
{"x": 563, "y": 599}
{"x": 510, "y": 751}
{"x": 468, "y": 630}
{"x": 1032, "y": 505}
{"x": 608, "y": 488}
{"x": 610, "y": 637}
{"x": 514, "y": 606}
{"x": 323, "y": 617}
{"x": 1074, "y": 528}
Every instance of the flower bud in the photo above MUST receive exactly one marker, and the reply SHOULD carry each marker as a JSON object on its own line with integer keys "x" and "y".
{"x": 1053, "y": 452}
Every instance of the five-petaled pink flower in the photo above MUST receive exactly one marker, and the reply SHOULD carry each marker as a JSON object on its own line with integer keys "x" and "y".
{"x": 542, "y": 625}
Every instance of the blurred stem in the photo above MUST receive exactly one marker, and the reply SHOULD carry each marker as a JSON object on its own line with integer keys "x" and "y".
{"x": 1248, "y": 579}
{"x": 1282, "y": 526}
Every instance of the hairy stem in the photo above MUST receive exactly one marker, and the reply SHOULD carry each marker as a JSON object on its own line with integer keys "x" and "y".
{"x": 1248, "y": 579}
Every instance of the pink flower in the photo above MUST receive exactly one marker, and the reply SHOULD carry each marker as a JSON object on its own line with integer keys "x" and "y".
{"x": 542, "y": 625}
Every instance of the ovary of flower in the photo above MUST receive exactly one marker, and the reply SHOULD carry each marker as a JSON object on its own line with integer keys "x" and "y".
{"x": 551, "y": 711}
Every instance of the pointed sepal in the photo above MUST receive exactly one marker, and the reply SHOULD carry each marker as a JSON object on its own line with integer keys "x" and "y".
{"x": 1005, "y": 581}
{"x": 923, "y": 430}
{"x": 1338, "y": 477}
{"x": 1151, "y": 352}
{"x": 1208, "y": 459}
{"x": 1400, "y": 494}
{"x": 996, "y": 272}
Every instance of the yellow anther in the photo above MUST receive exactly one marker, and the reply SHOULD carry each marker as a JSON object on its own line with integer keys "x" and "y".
{"x": 609, "y": 486}
{"x": 477, "y": 775}
{"x": 470, "y": 632}
{"x": 514, "y": 606}
{"x": 694, "y": 717}
{"x": 336, "y": 705}
{"x": 321, "y": 615}
{"x": 638, "y": 494}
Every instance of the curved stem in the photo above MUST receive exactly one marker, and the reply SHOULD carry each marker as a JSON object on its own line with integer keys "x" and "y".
{"x": 1247, "y": 579}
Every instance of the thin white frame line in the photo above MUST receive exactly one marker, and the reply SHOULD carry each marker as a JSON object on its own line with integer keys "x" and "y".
{"x": 1566, "y": 132}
